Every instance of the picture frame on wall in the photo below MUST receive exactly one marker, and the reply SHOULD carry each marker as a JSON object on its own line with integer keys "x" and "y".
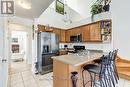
{"x": 15, "y": 40}
{"x": 59, "y": 7}
{"x": 15, "y": 48}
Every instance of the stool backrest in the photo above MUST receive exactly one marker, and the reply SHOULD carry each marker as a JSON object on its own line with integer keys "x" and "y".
{"x": 104, "y": 63}
{"x": 107, "y": 60}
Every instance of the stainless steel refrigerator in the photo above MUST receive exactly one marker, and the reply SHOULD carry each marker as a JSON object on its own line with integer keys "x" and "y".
{"x": 48, "y": 46}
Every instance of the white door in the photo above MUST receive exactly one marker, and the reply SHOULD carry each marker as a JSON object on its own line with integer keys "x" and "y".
{"x": 3, "y": 54}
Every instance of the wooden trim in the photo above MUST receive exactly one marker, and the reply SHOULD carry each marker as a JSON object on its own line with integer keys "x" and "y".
{"x": 89, "y": 24}
{"x": 119, "y": 59}
{"x": 86, "y": 42}
{"x": 123, "y": 67}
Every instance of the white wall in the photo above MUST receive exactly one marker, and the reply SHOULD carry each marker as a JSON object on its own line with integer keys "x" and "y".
{"x": 101, "y": 16}
{"x": 84, "y": 7}
{"x": 22, "y": 41}
{"x": 21, "y": 21}
{"x": 51, "y": 17}
{"x": 121, "y": 27}
{"x": 1, "y": 35}
{"x": 79, "y": 12}
{"x": 2, "y": 75}
{"x": 81, "y": 6}
{"x": 4, "y": 51}
{"x": 28, "y": 29}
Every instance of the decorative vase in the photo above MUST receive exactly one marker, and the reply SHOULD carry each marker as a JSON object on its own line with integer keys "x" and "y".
{"x": 106, "y": 7}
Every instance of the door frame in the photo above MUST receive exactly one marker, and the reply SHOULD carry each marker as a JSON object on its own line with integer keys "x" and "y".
{"x": 5, "y": 53}
{"x": 29, "y": 32}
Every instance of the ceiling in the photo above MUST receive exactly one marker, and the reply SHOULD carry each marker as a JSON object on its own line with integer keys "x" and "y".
{"x": 37, "y": 8}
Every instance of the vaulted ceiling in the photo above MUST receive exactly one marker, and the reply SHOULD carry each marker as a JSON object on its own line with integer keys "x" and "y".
{"x": 37, "y": 8}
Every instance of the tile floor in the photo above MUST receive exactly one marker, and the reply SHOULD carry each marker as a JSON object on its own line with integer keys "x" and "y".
{"x": 20, "y": 76}
{"x": 26, "y": 79}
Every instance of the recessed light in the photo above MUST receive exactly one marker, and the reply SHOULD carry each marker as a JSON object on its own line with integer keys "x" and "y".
{"x": 24, "y": 4}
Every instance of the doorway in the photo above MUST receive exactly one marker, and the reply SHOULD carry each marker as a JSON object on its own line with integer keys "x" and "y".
{"x": 19, "y": 47}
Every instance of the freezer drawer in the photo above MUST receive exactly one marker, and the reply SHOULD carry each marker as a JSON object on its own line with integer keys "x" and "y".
{"x": 47, "y": 63}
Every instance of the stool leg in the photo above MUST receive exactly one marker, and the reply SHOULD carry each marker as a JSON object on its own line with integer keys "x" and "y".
{"x": 101, "y": 82}
{"x": 91, "y": 78}
{"x": 83, "y": 78}
{"x": 94, "y": 81}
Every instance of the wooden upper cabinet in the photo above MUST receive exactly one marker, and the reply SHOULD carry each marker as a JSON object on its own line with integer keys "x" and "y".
{"x": 67, "y": 35}
{"x": 62, "y": 35}
{"x": 76, "y": 31}
{"x": 95, "y": 32}
{"x": 90, "y": 32}
{"x": 85, "y": 33}
{"x": 57, "y": 32}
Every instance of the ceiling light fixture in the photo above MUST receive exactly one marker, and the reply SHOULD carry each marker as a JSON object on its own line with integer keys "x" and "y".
{"x": 24, "y": 4}
{"x": 66, "y": 17}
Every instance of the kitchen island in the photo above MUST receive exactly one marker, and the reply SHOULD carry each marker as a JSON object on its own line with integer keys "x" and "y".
{"x": 65, "y": 64}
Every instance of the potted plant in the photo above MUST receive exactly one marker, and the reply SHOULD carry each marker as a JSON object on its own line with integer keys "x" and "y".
{"x": 96, "y": 8}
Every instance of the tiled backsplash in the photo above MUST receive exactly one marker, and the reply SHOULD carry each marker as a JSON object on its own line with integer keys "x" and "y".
{"x": 98, "y": 46}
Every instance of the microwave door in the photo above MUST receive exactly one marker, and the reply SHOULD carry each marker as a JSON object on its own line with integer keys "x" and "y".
{"x": 73, "y": 38}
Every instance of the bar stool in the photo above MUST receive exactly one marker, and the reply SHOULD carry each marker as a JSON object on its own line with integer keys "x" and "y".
{"x": 96, "y": 70}
{"x": 106, "y": 71}
{"x": 98, "y": 61}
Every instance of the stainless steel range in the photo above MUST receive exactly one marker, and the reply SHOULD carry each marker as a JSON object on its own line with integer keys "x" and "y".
{"x": 48, "y": 46}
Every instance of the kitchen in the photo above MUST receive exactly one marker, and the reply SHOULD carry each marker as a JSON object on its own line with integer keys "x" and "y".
{"x": 63, "y": 46}
{"x": 91, "y": 35}
{"x": 72, "y": 43}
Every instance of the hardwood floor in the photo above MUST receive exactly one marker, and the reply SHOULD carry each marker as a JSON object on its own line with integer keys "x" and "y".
{"x": 123, "y": 67}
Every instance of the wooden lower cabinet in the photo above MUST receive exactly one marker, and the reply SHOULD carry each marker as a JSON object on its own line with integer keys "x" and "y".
{"x": 62, "y": 75}
{"x": 62, "y": 52}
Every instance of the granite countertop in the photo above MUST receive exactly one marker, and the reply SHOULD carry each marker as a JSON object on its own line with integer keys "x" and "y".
{"x": 76, "y": 60}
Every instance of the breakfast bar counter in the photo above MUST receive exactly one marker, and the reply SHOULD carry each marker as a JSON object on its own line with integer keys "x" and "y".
{"x": 77, "y": 60}
{"x": 64, "y": 65}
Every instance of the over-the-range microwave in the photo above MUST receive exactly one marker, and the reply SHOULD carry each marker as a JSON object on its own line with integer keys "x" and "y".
{"x": 76, "y": 38}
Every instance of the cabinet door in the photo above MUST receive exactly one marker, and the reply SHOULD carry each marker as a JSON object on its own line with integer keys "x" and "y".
{"x": 68, "y": 34}
{"x": 86, "y": 33}
{"x": 62, "y": 35}
{"x": 95, "y": 32}
{"x": 76, "y": 31}
{"x": 57, "y": 32}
